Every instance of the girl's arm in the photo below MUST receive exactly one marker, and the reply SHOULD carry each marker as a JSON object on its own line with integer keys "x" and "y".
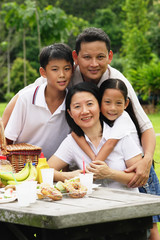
{"x": 103, "y": 153}
{"x": 82, "y": 143}
{"x": 58, "y": 165}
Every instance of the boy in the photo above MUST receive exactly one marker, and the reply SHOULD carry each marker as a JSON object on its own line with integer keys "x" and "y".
{"x": 38, "y": 117}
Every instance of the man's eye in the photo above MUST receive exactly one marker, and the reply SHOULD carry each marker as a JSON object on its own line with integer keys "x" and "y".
{"x": 54, "y": 69}
{"x": 101, "y": 57}
{"x": 87, "y": 57}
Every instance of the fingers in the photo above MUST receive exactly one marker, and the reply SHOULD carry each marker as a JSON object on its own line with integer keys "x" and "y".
{"x": 137, "y": 181}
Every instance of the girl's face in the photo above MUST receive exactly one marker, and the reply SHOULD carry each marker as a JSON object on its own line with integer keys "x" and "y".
{"x": 113, "y": 104}
{"x": 84, "y": 109}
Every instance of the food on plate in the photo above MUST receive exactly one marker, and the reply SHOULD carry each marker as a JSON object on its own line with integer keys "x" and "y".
{"x": 60, "y": 186}
{"x": 10, "y": 187}
{"x": 5, "y": 166}
{"x": 75, "y": 189}
{"x": 49, "y": 191}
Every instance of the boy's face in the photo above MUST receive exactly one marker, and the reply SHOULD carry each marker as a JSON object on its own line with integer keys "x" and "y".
{"x": 93, "y": 59}
{"x": 58, "y": 73}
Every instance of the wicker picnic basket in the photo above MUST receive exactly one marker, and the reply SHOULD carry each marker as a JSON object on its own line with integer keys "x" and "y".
{"x": 20, "y": 153}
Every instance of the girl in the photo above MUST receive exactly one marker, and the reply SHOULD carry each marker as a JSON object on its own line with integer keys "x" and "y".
{"x": 83, "y": 116}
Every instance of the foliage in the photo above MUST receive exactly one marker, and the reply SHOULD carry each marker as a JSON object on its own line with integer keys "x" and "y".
{"x": 136, "y": 49}
{"x": 146, "y": 80}
{"x": 17, "y": 75}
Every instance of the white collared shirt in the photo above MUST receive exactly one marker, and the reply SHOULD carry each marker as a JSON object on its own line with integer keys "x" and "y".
{"x": 126, "y": 148}
{"x": 35, "y": 124}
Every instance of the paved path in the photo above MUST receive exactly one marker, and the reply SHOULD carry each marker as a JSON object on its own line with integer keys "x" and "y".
{"x": 157, "y": 134}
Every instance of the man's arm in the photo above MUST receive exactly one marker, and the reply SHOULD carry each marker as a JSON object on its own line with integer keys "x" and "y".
{"x": 142, "y": 168}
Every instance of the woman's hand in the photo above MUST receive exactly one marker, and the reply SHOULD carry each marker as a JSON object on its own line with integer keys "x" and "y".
{"x": 100, "y": 169}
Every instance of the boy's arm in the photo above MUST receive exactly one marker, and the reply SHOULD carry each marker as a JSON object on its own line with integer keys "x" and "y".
{"x": 8, "y": 110}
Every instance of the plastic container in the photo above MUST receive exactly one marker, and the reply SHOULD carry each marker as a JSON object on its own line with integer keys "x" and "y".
{"x": 42, "y": 163}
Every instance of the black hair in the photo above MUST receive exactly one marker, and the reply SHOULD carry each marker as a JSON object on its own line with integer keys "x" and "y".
{"x": 81, "y": 87}
{"x": 92, "y": 34}
{"x": 55, "y": 51}
{"x": 120, "y": 85}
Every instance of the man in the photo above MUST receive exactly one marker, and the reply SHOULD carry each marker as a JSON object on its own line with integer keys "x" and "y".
{"x": 92, "y": 57}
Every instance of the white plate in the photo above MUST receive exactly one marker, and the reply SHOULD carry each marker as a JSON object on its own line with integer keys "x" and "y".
{"x": 94, "y": 186}
{"x": 7, "y": 200}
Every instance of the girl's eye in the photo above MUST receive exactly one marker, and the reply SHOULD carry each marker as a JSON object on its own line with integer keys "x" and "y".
{"x": 119, "y": 103}
{"x": 54, "y": 69}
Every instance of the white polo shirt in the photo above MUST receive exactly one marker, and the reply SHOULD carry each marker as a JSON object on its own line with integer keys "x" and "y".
{"x": 126, "y": 148}
{"x": 111, "y": 72}
{"x": 32, "y": 122}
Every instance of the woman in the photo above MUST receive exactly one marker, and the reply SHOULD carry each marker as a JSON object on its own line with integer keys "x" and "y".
{"x": 83, "y": 116}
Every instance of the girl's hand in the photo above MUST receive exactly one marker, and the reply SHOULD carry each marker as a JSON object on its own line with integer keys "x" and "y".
{"x": 99, "y": 169}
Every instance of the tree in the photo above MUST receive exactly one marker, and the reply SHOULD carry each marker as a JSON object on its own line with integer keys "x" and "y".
{"x": 135, "y": 49}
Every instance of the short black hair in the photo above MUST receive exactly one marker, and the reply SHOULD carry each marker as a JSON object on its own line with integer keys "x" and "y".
{"x": 92, "y": 34}
{"x": 55, "y": 51}
{"x": 80, "y": 87}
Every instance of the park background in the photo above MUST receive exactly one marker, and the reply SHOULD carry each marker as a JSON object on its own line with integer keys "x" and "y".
{"x": 132, "y": 25}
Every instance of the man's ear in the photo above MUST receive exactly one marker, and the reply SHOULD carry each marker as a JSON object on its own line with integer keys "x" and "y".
{"x": 42, "y": 72}
{"x": 75, "y": 56}
{"x": 110, "y": 56}
{"x": 127, "y": 102}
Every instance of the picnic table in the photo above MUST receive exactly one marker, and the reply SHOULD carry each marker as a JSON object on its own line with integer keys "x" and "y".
{"x": 113, "y": 213}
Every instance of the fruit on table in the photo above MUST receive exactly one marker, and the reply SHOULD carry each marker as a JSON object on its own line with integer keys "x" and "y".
{"x": 29, "y": 172}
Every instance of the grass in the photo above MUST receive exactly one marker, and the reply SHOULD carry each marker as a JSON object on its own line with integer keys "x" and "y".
{"x": 155, "y": 121}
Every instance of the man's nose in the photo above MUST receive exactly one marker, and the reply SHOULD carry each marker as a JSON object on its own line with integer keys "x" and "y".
{"x": 94, "y": 62}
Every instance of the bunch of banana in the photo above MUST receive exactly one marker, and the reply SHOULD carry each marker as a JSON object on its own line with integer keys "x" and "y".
{"x": 29, "y": 172}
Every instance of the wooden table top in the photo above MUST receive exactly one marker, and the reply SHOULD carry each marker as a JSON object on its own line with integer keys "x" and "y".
{"x": 103, "y": 205}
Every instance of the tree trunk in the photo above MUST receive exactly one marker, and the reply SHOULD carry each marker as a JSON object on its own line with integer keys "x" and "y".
{"x": 24, "y": 57}
{"x": 38, "y": 30}
{"x": 8, "y": 63}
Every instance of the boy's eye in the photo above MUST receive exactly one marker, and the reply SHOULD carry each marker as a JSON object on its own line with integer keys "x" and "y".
{"x": 54, "y": 69}
{"x": 67, "y": 69}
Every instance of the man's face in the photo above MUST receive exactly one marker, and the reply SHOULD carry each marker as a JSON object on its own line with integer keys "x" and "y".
{"x": 93, "y": 59}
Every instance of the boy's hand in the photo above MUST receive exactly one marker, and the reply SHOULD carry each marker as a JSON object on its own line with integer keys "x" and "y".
{"x": 142, "y": 170}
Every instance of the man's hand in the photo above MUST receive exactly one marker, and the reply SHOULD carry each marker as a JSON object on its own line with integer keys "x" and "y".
{"x": 142, "y": 170}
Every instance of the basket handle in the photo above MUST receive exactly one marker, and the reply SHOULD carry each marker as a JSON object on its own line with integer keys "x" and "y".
{"x": 3, "y": 143}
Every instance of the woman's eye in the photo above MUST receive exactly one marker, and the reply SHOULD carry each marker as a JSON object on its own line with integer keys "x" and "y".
{"x": 67, "y": 69}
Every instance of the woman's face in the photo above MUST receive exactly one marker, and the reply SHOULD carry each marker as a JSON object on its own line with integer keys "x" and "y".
{"x": 113, "y": 104}
{"x": 84, "y": 109}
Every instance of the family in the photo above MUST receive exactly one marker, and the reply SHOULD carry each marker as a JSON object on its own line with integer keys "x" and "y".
{"x": 83, "y": 107}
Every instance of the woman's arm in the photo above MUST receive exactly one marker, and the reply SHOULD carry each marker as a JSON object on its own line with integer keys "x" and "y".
{"x": 58, "y": 165}
{"x": 102, "y": 171}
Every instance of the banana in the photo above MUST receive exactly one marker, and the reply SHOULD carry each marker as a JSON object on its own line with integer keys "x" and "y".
{"x": 20, "y": 176}
{"x": 33, "y": 173}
